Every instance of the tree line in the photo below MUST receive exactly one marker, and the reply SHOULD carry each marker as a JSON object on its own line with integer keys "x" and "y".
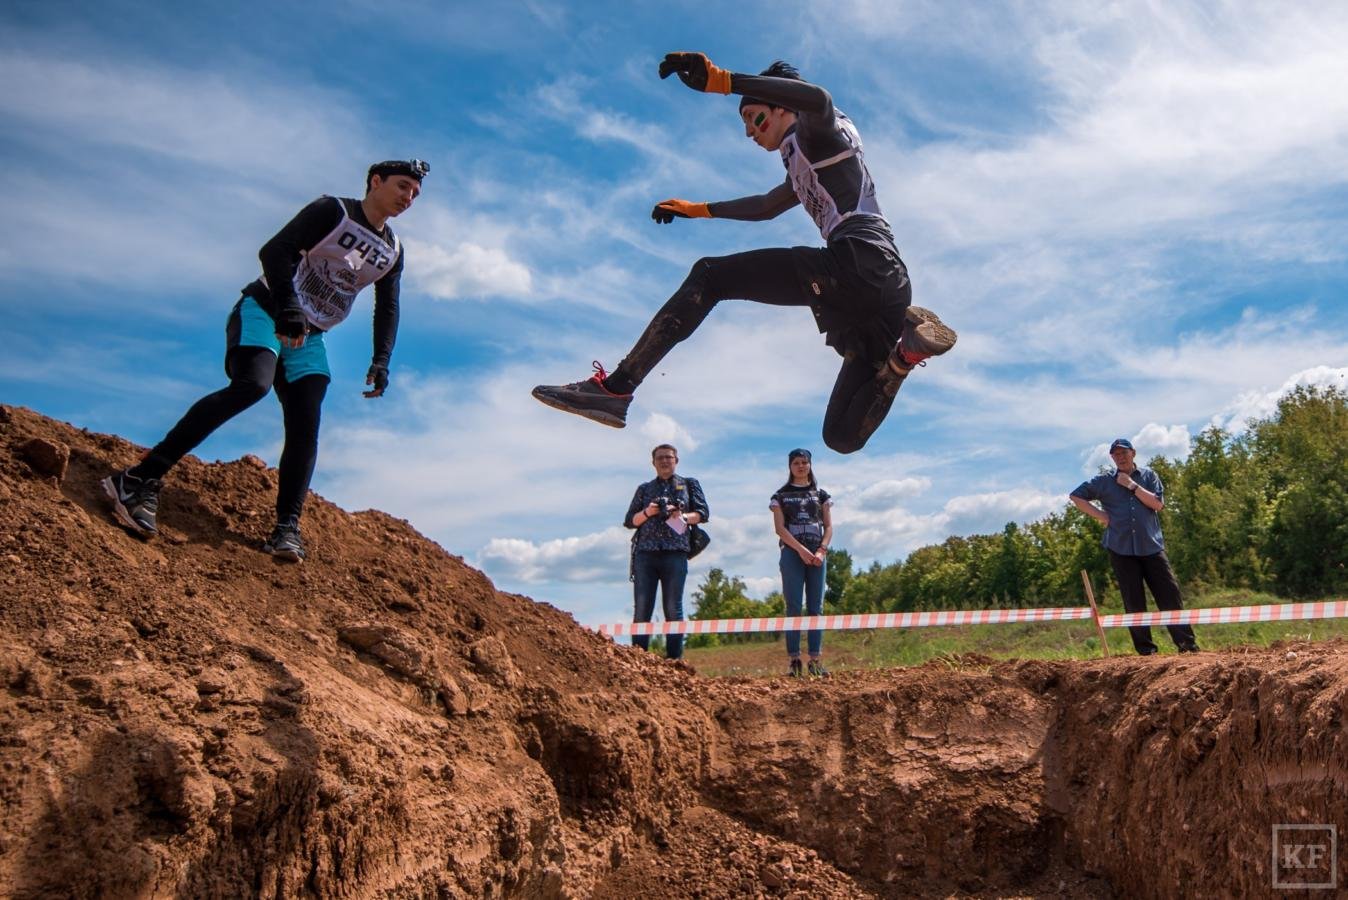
{"x": 1264, "y": 509}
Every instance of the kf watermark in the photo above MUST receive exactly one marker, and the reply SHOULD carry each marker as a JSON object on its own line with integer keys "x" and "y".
{"x": 1305, "y": 857}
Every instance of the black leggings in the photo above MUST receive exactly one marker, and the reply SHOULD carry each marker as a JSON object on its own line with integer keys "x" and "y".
{"x": 252, "y": 372}
{"x": 860, "y": 291}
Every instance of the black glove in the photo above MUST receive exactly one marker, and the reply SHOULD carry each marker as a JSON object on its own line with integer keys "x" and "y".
{"x": 696, "y": 71}
{"x": 378, "y": 378}
{"x": 291, "y": 326}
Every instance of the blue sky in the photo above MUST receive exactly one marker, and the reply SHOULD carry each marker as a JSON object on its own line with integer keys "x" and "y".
{"x": 1133, "y": 214}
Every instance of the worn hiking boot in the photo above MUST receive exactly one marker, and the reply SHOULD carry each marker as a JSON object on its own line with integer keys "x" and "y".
{"x": 795, "y": 670}
{"x": 285, "y": 542}
{"x": 588, "y": 398}
{"x": 135, "y": 501}
{"x": 924, "y": 336}
{"x": 816, "y": 669}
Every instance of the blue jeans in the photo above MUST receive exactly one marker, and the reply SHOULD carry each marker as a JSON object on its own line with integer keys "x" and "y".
{"x": 798, "y": 578}
{"x": 668, "y": 569}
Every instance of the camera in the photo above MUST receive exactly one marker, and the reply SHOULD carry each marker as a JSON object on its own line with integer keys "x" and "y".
{"x": 667, "y": 507}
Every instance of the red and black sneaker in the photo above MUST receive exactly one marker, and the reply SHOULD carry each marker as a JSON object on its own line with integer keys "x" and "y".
{"x": 924, "y": 336}
{"x": 588, "y": 398}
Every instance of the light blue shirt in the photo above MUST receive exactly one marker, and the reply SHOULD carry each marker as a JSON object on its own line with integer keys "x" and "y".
{"x": 1134, "y": 529}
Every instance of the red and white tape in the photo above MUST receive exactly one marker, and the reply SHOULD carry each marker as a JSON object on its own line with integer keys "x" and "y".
{"x": 1329, "y": 609}
{"x": 1219, "y": 615}
{"x": 848, "y": 622}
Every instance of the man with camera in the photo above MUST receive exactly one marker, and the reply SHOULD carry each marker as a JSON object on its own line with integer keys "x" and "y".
{"x": 661, "y": 512}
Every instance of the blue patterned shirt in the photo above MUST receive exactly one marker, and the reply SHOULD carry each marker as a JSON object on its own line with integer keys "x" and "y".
{"x": 1134, "y": 529}
{"x": 654, "y": 534}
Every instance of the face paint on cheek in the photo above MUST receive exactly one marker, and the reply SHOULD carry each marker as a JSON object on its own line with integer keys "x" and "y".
{"x": 761, "y": 121}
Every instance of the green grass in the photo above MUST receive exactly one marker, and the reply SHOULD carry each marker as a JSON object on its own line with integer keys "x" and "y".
{"x": 1049, "y": 640}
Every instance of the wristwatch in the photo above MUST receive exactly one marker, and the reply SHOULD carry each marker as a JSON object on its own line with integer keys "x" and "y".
{"x": 1133, "y": 489}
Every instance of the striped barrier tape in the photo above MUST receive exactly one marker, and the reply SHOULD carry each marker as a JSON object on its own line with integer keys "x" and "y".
{"x": 848, "y": 622}
{"x": 1329, "y": 609}
{"x": 1220, "y": 615}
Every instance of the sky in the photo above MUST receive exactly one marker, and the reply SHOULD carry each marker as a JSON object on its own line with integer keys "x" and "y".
{"x": 1132, "y": 213}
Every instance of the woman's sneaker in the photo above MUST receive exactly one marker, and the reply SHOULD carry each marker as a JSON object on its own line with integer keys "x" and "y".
{"x": 816, "y": 669}
{"x": 795, "y": 670}
{"x": 588, "y": 398}
{"x": 135, "y": 501}
{"x": 285, "y": 542}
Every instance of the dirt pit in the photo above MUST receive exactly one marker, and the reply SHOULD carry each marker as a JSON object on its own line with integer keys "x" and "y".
{"x": 188, "y": 717}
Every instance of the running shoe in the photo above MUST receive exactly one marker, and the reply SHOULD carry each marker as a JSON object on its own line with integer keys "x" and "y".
{"x": 135, "y": 501}
{"x": 588, "y": 398}
{"x": 924, "y": 336}
{"x": 285, "y": 542}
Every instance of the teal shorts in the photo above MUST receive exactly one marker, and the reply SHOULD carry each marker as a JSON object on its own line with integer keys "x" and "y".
{"x": 250, "y": 326}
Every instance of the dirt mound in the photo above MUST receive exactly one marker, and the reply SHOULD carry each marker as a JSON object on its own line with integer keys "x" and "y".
{"x": 188, "y": 717}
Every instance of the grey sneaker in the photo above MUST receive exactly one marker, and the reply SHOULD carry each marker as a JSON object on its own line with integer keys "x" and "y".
{"x": 135, "y": 501}
{"x": 924, "y": 336}
{"x": 588, "y": 398}
{"x": 285, "y": 542}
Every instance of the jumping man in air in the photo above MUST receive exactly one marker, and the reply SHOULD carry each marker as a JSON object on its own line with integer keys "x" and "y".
{"x": 312, "y": 270}
{"x": 856, "y": 285}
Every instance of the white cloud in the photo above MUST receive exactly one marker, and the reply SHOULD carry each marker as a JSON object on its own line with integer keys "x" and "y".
{"x": 1263, "y": 404}
{"x": 587, "y": 558}
{"x": 238, "y": 122}
{"x": 466, "y": 270}
{"x": 893, "y": 533}
{"x": 1170, "y": 441}
{"x": 662, "y": 429}
{"x": 1158, "y": 118}
{"x": 891, "y": 491}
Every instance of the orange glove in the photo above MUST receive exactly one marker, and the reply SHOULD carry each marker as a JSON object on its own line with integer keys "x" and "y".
{"x": 666, "y": 210}
{"x": 696, "y": 71}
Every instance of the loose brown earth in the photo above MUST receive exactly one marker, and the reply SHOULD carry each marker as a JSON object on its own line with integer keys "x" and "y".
{"x": 188, "y": 718}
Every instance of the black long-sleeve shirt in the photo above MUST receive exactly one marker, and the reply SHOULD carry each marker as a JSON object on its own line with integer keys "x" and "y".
{"x": 281, "y": 255}
{"x": 819, "y": 134}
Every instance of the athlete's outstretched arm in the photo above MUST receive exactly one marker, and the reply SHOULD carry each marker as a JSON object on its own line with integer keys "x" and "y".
{"x": 758, "y": 208}
{"x": 803, "y": 98}
{"x": 701, "y": 74}
{"x": 746, "y": 209}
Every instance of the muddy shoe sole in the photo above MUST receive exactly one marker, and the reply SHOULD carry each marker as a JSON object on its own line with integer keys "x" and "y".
{"x": 544, "y": 394}
{"x": 936, "y": 336}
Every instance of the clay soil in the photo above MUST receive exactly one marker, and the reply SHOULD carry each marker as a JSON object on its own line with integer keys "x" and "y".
{"x": 187, "y": 717}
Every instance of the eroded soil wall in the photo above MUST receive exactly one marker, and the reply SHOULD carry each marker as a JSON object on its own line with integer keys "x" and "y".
{"x": 187, "y": 717}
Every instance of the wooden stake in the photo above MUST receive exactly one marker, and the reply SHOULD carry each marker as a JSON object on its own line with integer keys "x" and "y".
{"x": 1095, "y": 611}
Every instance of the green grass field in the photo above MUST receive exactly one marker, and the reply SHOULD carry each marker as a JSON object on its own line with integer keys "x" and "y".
{"x": 1050, "y": 640}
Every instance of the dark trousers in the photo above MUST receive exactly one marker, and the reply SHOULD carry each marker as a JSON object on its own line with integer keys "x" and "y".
{"x": 253, "y": 371}
{"x": 859, "y": 292}
{"x": 666, "y": 569}
{"x": 1155, "y": 571}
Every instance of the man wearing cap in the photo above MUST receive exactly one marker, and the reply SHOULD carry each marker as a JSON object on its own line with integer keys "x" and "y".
{"x": 856, "y": 286}
{"x": 661, "y": 511}
{"x": 1129, "y": 500}
{"x": 312, "y": 270}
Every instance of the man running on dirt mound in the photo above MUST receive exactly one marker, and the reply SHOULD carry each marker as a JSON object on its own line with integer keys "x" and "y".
{"x": 312, "y": 270}
{"x": 856, "y": 286}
